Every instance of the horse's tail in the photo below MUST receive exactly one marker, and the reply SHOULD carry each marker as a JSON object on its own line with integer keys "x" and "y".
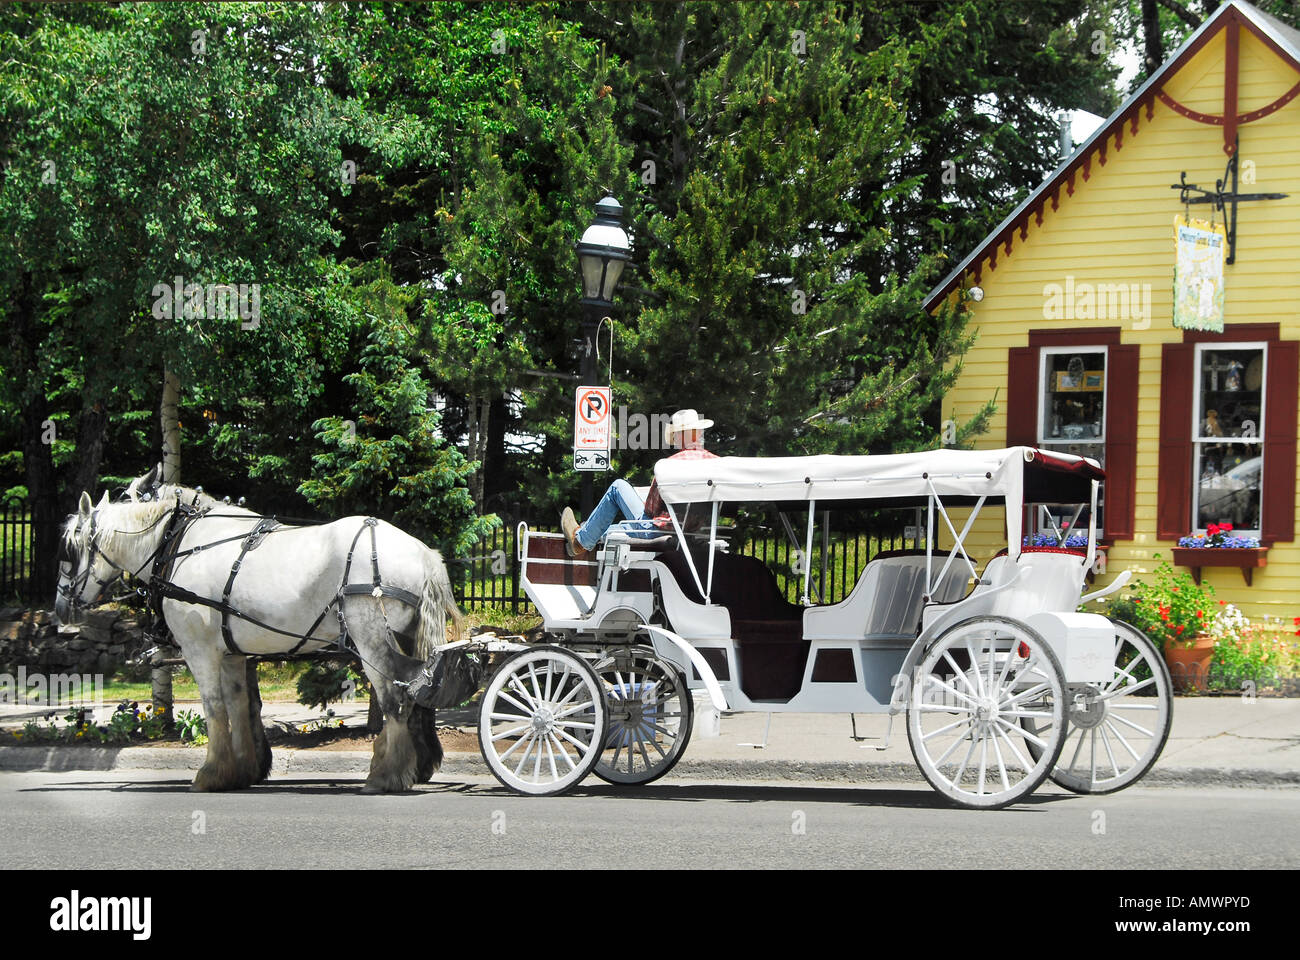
{"x": 436, "y": 602}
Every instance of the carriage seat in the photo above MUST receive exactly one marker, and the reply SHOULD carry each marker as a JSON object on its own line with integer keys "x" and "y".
{"x": 1051, "y": 581}
{"x": 887, "y": 600}
{"x": 767, "y": 628}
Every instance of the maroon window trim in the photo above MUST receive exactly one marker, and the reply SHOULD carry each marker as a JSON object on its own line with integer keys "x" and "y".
{"x": 1174, "y": 483}
{"x": 1178, "y": 396}
{"x": 1024, "y": 366}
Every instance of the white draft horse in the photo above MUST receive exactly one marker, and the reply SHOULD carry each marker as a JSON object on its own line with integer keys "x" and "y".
{"x": 231, "y": 589}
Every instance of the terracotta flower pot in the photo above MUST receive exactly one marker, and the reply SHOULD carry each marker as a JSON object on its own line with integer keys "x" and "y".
{"x": 1188, "y": 666}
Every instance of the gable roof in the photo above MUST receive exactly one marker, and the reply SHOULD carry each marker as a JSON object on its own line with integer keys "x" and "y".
{"x": 1282, "y": 39}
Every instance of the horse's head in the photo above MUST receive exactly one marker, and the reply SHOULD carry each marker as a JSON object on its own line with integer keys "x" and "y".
{"x": 143, "y": 489}
{"x": 84, "y": 572}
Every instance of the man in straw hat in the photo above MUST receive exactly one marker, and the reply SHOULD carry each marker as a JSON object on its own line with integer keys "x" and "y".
{"x": 685, "y": 430}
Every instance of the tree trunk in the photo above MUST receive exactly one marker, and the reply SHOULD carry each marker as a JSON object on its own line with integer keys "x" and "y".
{"x": 1155, "y": 54}
{"x": 92, "y": 426}
{"x": 495, "y": 464}
{"x": 170, "y": 421}
{"x": 480, "y": 408}
{"x": 171, "y": 427}
{"x": 37, "y": 442}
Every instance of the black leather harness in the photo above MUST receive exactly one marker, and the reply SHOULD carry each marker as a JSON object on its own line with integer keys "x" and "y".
{"x": 162, "y": 588}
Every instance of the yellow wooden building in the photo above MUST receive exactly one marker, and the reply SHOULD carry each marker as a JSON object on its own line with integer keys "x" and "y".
{"x": 1073, "y": 297}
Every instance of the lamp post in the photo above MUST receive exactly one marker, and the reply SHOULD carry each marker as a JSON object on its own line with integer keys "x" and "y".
{"x": 602, "y": 253}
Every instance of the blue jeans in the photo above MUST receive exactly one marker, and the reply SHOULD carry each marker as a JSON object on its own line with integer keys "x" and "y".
{"x": 620, "y": 500}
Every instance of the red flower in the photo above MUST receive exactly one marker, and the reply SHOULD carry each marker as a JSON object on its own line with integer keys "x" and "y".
{"x": 1225, "y": 527}
{"x": 1222, "y": 602}
{"x": 1296, "y": 621}
{"x": 1201, "y": 614}
{"x": 1180, "y": 629}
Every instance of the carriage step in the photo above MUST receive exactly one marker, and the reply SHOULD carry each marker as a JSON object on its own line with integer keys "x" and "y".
{"x": 883, "y": 745}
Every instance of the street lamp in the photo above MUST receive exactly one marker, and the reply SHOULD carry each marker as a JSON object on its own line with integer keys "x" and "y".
{"x": 602, "y": 253}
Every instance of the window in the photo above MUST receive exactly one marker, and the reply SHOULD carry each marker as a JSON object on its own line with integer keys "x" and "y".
{"x": 1075, "y": 391}
{"x": 1071, "y": 417}
{"x": 1227, "y": 435}
{"x": 1210, "y": 467}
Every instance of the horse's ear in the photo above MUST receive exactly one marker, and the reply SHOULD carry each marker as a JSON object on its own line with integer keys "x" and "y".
{"x": 103, "y": 501}
{"x": 152, "y": 478}
{"x": 84, "y": 505}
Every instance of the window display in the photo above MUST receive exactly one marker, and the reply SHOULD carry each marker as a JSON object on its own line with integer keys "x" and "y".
{"x": 1228, "y": 435}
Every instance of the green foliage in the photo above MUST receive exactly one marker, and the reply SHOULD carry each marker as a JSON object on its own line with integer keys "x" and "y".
{"x": 1171, "y": 608}
{"x": 192, "y": 727}
{"x": 324, "y": 683}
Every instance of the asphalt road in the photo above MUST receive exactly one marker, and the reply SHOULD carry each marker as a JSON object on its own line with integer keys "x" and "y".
{"x": 140, "y": 820}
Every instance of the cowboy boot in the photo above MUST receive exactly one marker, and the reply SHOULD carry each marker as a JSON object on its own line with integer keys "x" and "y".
{"x": 569, "y": 523}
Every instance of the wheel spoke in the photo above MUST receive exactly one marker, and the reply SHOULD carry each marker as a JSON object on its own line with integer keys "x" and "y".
{"x": 527, "y": 753}
{"x": 997, "y": 751}
{"x": 1129, "y": 723}
{"x": 517, "y": 744}
{"x": 1034, "y": 739}
{"x": 947, "y": 655}
{"x": 951, "y": 747}
{"x": 512, "y": 732}
{"x": 961, "y": 771}
{"x": 1124, "y": 691}
{"x": 582, "y": 747}
{"x": 953, "y": 690}
{"x": 934, "y": 733}
{"x": 563, "y": 752}
{"x": 1011, "y": 744}
{"x": 1077, "y": 750}
{"x": 517, "y": 685}
{"x": 575, "y": 708}
{"x": 1120, "y": 737}
{"x": 526, "y": 711}
{"x": 984, "y": 762}
{"x": 974, "y": 666}
{"x": 1110, "y": 754}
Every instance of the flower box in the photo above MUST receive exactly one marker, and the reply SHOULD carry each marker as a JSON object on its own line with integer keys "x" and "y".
{"x": 1247, "y": 559}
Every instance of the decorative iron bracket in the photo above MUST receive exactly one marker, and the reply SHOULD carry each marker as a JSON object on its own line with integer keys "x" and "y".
{"x": 1225, "y": 202}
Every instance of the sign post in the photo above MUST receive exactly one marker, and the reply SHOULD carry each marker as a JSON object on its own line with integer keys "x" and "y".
{"x": 591, "y": 429}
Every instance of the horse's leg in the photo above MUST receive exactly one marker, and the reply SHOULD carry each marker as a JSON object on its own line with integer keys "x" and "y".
{"x": 235, "y": 693}
{"x": 220, "y": 770}
{"x": 428, "y": 748}
{"x": 394, "y": 764}
{"x": 262, "y": 745}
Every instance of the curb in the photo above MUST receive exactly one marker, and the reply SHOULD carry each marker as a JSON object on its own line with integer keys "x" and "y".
{"x": 58, "y": 760}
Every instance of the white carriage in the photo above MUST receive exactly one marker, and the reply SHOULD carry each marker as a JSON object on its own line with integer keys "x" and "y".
{"x": 1002, "y": 682}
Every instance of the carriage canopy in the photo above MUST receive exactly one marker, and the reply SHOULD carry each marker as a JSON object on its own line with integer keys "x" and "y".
{"x": 1015, "y": 474}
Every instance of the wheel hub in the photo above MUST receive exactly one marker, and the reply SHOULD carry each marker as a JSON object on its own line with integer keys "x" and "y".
{"x": 986, "y": 714}
{"x": 1087, "y": 709}
{"x": 542, "y": 721}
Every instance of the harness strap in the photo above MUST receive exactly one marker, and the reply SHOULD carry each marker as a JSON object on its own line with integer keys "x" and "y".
{"x": 254, "y": 537}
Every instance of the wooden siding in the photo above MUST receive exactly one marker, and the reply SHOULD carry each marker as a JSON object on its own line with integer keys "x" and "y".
{"x": 1117, "y": 228}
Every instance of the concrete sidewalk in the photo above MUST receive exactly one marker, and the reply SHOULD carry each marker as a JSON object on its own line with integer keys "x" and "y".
{"x": 1214, "y": 740}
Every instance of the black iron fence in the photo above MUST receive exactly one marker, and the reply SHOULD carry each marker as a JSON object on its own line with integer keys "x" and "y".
{"x": 17, "y": 557}
{"x": 489, "y": 577}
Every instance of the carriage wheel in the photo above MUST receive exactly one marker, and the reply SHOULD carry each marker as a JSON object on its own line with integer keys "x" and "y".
{"x": 971, "y": 691}
{"x": 1116, "y": 730}
{"x": 651, "y": 714}
{"x": 542, "y": 721}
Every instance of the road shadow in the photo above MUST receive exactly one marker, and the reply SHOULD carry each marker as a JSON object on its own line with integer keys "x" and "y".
{"x": 865, "y": 795}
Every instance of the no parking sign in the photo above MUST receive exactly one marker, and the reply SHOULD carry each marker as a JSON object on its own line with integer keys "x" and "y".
{"x": 591, "y": 429}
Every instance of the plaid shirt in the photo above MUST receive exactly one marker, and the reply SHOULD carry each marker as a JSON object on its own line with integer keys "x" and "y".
{"x": 655, "y": 509}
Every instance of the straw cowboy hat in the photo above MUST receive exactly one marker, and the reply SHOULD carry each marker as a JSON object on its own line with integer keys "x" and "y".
{"x": 684, "y": 420}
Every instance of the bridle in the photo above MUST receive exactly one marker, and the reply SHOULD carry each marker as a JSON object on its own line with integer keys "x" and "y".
{"x": 76, "y": 585}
